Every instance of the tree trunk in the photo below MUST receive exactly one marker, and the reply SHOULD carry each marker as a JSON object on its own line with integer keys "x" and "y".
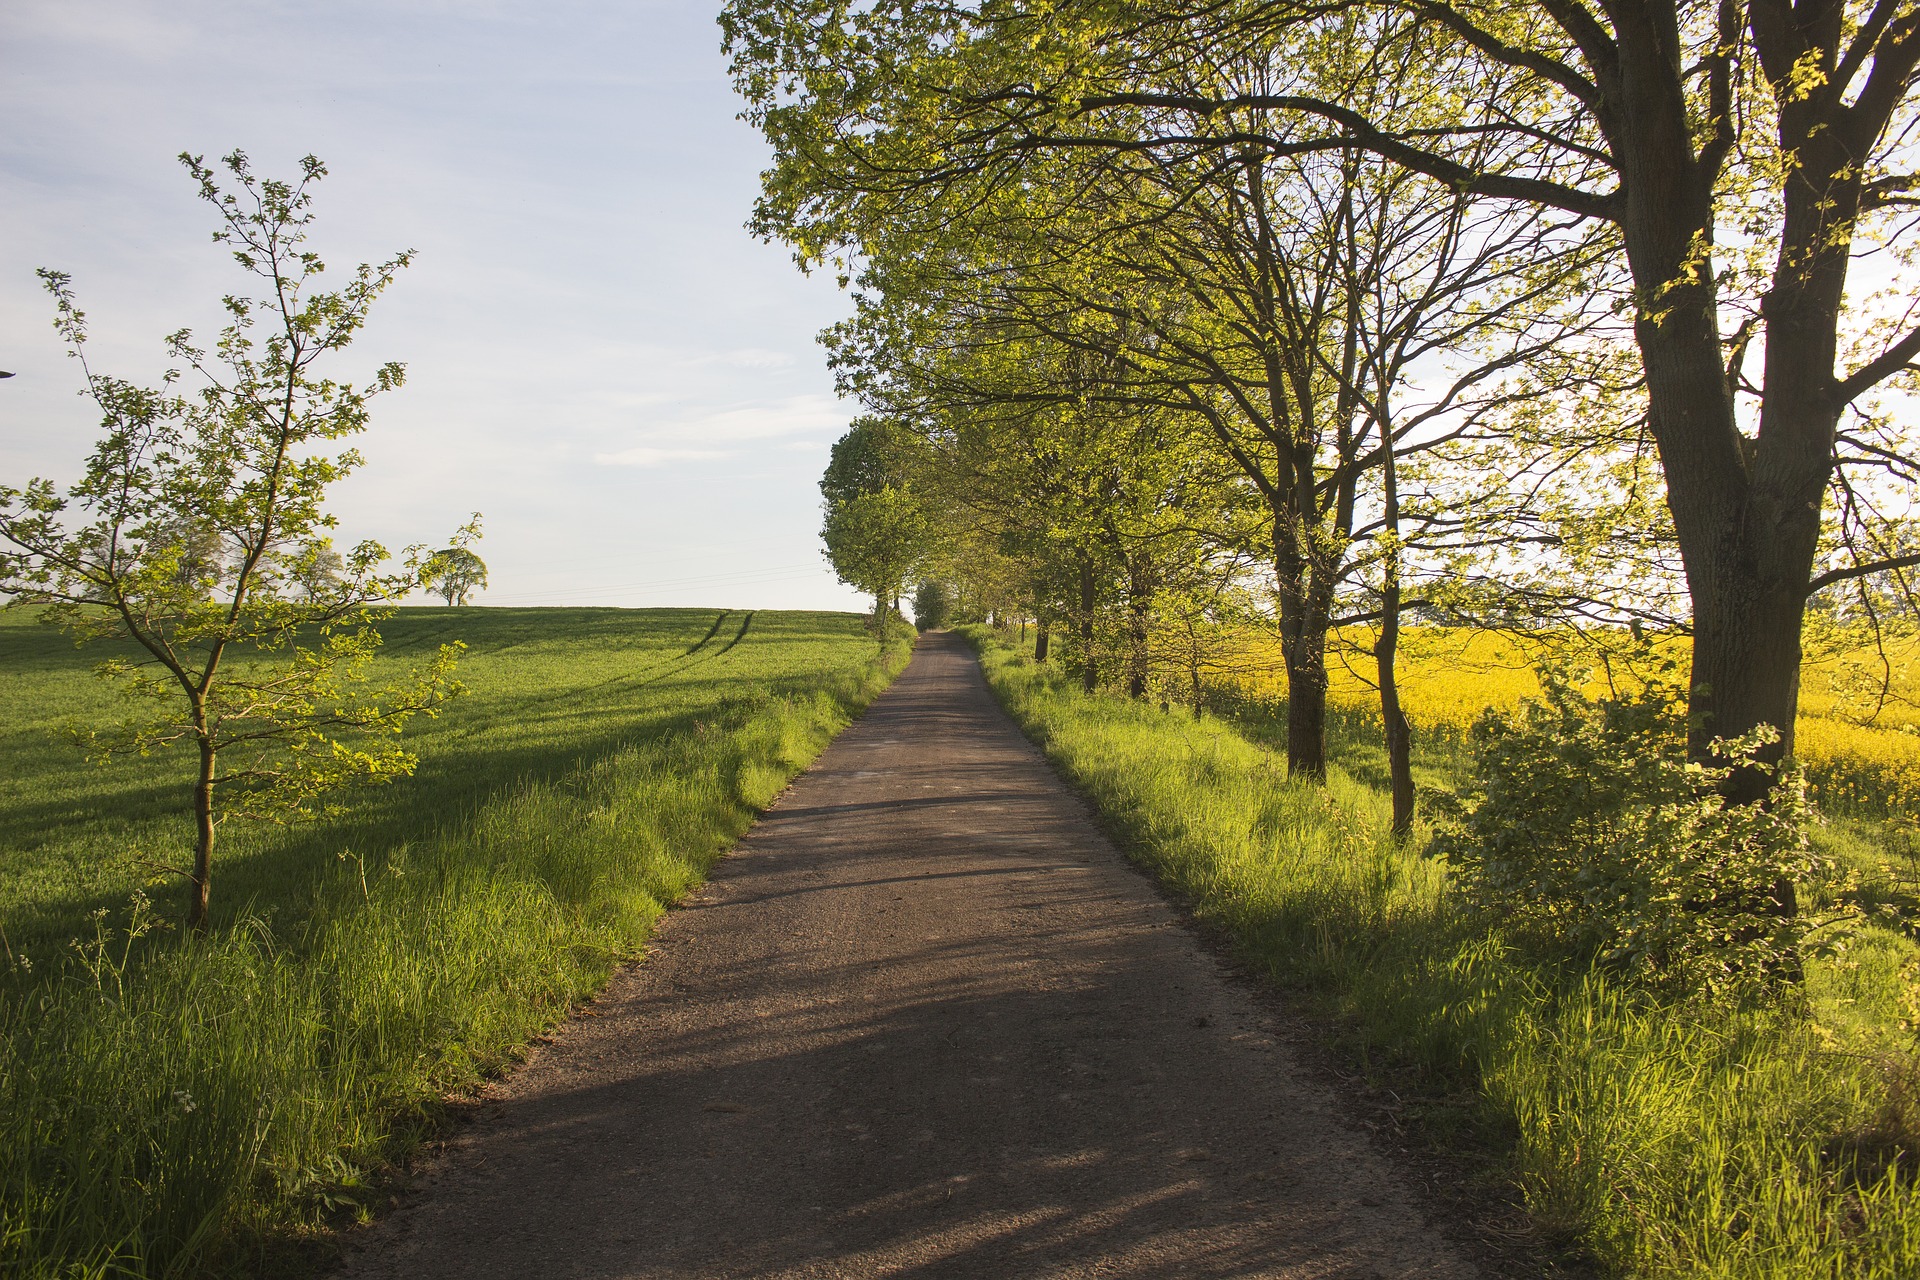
{"x": 1139, "y": 597}
{"x": 1748, "y": 531}
{"x": 1303, "y": 644}
{"x": 1747, "y": 512}
{"x": 200, "y": 884}
{"x": 1193, "y": 675}
{"x": 1089, "y": 676}
{"x": 1393, "y": 720}
{"x": 1041, "y": 640}
{"x": 1307, "y": 706}
{"x": 1747, "y": 541}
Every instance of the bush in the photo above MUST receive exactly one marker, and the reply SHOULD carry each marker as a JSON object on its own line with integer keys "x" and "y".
{"x": 1591, "y": 831}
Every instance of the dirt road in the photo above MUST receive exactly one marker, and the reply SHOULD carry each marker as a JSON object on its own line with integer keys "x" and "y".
{"x": 925, "y": 1022}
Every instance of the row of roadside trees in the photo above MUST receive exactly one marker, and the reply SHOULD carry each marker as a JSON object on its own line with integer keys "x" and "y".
{"x": 1542, "y": 315}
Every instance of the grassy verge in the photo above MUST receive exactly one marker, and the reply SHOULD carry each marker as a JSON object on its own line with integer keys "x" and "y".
{"x": 1666, "y": 1140}
{"x": 171, "y": 1107}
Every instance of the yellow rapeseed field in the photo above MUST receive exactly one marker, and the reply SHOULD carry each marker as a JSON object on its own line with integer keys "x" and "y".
{"x": 1861, "y": 750}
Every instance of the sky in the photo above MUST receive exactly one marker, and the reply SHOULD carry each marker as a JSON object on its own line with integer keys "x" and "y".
{"x": 600, "y": 358}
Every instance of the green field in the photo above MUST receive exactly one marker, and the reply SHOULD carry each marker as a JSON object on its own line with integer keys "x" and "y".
{"x": 171, "y": 1107}
{"x": 1689, "y": 1137}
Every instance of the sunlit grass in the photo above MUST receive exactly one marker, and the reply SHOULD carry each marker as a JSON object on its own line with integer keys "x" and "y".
{"x": 1742, "y": 1142}
{"x": 171, "y": 1107}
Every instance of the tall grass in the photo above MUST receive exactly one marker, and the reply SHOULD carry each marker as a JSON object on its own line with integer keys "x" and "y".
{"x": 173, "y": 1107}
{"x": 1697, "y": 1140}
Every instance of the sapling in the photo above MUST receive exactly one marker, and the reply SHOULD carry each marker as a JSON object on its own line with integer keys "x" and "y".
{"x": 197, "y": 543}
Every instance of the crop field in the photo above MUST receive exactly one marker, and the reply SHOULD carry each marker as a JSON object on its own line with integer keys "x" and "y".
{"x": 176, "y": 1109}
{"x": 1861, "y": 750}
{"x": 1659, "y": 1136}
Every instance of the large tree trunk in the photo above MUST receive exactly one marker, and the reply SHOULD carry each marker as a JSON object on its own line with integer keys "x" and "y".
{"x": 1041, "y": 639}
{"x": 1306, "y": 660}
{"x": 1747, "y": 512}
{"x": 1747, "y": 550}
{"x": 1748, "y": 553}
{"x": 1303, "y": 645}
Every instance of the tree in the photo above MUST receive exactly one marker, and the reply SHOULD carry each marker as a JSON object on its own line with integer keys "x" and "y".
{"x": 876, "y": 526}
{"x": 873, "y": 540}
{"x": 931, "y": 603}
{"x": 198, "y": 539}
{"x": 1276, "y": 301}
{"x": 456, "y": 572}
{"x": 1741, "y": 156}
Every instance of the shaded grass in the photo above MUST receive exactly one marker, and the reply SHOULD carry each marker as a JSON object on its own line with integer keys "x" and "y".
{"x": 171, "y": 1107}
{"x": 1736, "y": 1141}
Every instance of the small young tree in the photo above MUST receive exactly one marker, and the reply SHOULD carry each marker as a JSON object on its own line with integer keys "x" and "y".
{"x": 456, "y": 572}
{"x": 197, "y": 541}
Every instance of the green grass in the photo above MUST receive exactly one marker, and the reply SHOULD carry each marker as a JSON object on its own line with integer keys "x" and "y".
{"x": 1699, "y": 1140}
{"x": 171, "y": 1107}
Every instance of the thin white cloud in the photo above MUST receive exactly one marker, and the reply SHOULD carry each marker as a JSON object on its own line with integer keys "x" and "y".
{"x": 796, "y": 415}
{"x": 758, "y": 358}
{"x": 644, "y": 456}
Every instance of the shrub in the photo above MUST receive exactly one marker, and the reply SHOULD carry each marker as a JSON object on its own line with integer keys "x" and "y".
{"x": 1590, "y": 830}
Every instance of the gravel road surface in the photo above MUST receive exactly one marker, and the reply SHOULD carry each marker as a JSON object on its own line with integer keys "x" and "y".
{"x": 924, "y": 1022}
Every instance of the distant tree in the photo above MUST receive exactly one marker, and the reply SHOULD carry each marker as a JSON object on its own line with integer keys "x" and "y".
{"x": 874, "y": 539}
{"x": 197, "y": 539}
{"x": 325, "y": 573}
{"x": 931, "y": 604}
{"x": 877, "y": 528}
{"x": 456, "y": 572}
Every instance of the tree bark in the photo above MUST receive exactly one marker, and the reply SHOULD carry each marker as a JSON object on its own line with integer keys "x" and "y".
{"x": 1089, "y": 675}
{"x": 1397, "y": 732}
{"x": 1307, "y": 707}
{"x": 1139, "y": 597}
{"x": 1747, "y": 512}
{"x": 1199, "y": 690}
{"x": 200, "y": 884}
{"x": 1041, "y": 641}
{"x": 1303, "y": 645}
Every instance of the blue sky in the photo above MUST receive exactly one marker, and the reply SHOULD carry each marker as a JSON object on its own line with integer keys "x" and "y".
{"x": 599, "y": 357}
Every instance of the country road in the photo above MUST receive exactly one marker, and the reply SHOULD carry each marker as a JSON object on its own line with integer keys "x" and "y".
{"x": 925, "y": 1021}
